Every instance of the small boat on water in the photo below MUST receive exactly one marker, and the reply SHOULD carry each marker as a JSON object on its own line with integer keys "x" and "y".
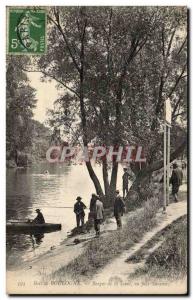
{"x": 26, "y": 227}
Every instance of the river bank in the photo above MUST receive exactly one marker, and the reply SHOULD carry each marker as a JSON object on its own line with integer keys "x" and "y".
{"x": 55, "y": 195}
{"x": 76, "y": 263}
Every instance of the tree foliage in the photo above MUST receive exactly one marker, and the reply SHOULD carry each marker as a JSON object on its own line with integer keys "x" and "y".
{"x": 117, "y": 66}
{"x": 20, "y": 104}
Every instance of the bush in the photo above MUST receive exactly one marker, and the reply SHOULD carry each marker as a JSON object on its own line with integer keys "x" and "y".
{"x": 171, "y": 256}
{"x": 100, "y": 251}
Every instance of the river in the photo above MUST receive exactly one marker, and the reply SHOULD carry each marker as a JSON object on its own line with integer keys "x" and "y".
{"x": 55, "y": 194}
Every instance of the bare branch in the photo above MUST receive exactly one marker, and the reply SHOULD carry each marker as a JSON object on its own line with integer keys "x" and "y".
{"x": 182, "y": 46}
{"x": 141, "y": 45}
{"x": 177, "y": 115}
{"x": 163, "y": 43}
{"x": 159, "y": 164}
{"x": 58, "y": 25}
{"x": 78, "y": 26}
{"x": 53, "y": 77}
{"x": 170, "y": 42}
{"x": 176, "y": 106}
{"x": 177, "y": 81}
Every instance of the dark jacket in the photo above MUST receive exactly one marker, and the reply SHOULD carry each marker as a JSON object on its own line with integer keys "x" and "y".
{"x": 125, "y": 178}
{"x": 93, "y": 203}
{"x": 39, "y": 219}
{"x": 176, "y": 178}
{"x": 79, "y": 207}
{"x": 119, "y": 206}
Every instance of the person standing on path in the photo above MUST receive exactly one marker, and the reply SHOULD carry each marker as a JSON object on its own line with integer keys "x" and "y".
{"x": 125, "y": 179}
{"x": 119, "y": 209}
{"x": 176, "y": 181}
{"x": 98, "y": 216}
{"x": 79, "y": 208}
{"x": 93, "y": 205}
{"x": 184, "y": 171}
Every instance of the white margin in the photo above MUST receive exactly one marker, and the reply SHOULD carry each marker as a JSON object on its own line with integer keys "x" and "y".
{"x": 3, "y": 4}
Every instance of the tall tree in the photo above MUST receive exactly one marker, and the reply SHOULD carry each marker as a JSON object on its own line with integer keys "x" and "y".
{"x": 117, "y": 65}
{"x": 20, "y": 103}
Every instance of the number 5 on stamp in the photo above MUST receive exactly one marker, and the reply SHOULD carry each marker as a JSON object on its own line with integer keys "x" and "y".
{"x": 26, "y": 31}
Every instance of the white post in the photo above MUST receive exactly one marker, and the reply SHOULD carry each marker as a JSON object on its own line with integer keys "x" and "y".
{"x": 168, "y": 167}
{"x": 167, "y": 124}
{"x": 165, "y": 157}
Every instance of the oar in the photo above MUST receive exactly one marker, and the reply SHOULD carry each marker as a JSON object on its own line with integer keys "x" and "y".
{"x": 58, "y": 206}
{"x": 18, "y": 221}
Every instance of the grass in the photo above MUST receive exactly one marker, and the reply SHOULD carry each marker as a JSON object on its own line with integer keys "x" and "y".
{"x": 100, "y": 251}
{"x": 170, "y": 259}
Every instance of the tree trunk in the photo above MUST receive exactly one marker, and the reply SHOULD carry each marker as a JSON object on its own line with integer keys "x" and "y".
{"x": 114, "y": 176}
{"x": 140, "y": 190}
{"x": 105, "y": 177}
{"x": 142, "y": 187}
{"x": 16, "y": 156}
{"x": 95, "y": 180}
{"x": 92, "y": 174}
{"x": 110, "y": 188}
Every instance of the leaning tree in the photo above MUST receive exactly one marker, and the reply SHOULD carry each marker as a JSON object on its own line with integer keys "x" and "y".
{"x": 115, "y": 67}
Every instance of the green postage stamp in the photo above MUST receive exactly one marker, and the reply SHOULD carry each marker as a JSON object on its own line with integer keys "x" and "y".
{"x": 26, "y": 31}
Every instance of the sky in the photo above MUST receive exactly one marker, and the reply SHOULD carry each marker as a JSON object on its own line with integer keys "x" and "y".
{"x": 46, "y": 94}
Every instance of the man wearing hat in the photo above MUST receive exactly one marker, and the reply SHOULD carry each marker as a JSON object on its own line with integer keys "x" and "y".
{"x": 93, "y": 200}
{"x": 176, "y": 181}
{"x": 119, "y": 208}
{"x": 79, "y": 207}
{"x": 40, "y": 218}
{"x": 98, "y": 215}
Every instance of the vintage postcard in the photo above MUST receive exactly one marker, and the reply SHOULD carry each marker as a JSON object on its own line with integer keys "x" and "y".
{"x": 96, "y": 150}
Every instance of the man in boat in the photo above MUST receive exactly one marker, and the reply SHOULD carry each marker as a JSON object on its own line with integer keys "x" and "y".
{"x": 79, "y": 208}
{"x": 119, "y": 209}
{"x": 176, "y": 181}
{"x": 40, "y": 218}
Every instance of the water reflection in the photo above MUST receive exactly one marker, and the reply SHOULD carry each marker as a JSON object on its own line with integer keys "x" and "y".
{"x": 55, "y": 194}
{"x": 37, "y": 239}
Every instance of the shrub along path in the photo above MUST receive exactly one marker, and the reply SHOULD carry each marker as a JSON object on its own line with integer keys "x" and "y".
{"x": 120, "y": 268}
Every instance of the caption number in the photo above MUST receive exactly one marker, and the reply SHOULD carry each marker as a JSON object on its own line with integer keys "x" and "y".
{"x": 14, "y": 43}
{"x": 21, "y": 283}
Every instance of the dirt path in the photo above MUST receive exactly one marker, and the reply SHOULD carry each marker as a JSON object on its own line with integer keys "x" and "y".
{"x": 119, "y": 267}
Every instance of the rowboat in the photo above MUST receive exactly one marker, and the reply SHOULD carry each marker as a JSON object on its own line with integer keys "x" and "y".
{"x": 26, "y": 227}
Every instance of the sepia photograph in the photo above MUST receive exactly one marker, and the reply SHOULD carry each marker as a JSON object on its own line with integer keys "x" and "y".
{"x": 97, "y": 150}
